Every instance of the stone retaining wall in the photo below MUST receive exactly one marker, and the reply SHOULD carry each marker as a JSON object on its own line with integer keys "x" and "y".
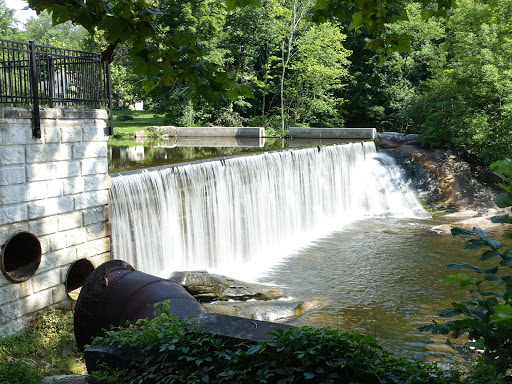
{"x": 53, "y": 192}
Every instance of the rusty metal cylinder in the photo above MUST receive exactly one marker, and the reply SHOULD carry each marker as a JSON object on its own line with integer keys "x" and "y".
{"x": 115, "y": 294}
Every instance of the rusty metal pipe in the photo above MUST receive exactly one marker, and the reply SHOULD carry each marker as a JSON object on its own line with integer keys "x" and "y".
{"x": 115, "y": 294}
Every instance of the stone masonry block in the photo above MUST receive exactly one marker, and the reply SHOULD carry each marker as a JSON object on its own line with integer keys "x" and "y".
{"x": 53, "y": 260}
{"x": 50, "y": 131}
{"x": 100, "y": 259}
{"x": 94, "y": 131}
{"x": 91, "y": 199}
{"x": 57, "y": 241}
{"x": 54, "y": 188}
{"x": 73, "y": 185}
{"x": 36, "y": 302}
{"x": 94, "y": 166}
{"x": 97, "y": 231}
{"x": 93, "y": 248}
{"x": 44, "y": 226}
{"x": 10, "y": 312}
{"x": 95, "y": 215}
{"x": 59, "y": 294}
{"x": 89, "y": 150}
{"x": 13, "y": 214}
{"x": 12, "y": 175}
{"x": 76, "y": 236}
{"x": 97, "y": 183}
{"x": 40, "y": 172}
{"x": 13, "y": 194}
{"x": 36, "y": 190}
{"x": 47, "y": 153}
{"x": 10, "y": 155}
{"x": 50, "y": 207}
{"x": 71, "y": 133}
{"x": 13, "y": 292}
{"x": 13, "y": 327}
{"x": 13, "y": 133}
{"x": 45, "y": 280}
{"x": 6, "y": 231}
{"x": 70, "y": 221}
{"x": 65, "y": 169}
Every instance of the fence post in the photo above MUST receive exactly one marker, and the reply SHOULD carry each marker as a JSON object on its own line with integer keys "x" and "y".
{"x": 109, "y": 131}
{"x": 36, "y": 130}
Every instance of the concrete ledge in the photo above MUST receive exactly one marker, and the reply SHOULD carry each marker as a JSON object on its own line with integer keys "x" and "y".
{"x": 334, "y": 133}
{"x": 220, "y": 132}
{"x": 52, "y": 113}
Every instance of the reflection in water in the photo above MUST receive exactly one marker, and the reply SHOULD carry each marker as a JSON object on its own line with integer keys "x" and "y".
{"x": 171, "y": 151}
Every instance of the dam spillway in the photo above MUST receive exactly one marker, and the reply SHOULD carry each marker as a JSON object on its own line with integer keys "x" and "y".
{"x": 240, "y": 215}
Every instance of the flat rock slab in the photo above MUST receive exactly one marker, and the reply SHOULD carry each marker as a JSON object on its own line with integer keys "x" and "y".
{"x": 232, "y": 329}
{"x": 207, "y": 287}
{"x": 65, "y": 379}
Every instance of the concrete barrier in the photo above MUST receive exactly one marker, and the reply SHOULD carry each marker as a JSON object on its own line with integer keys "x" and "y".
{"x": 220, "y": 131}
{"x": 334, "y": 133}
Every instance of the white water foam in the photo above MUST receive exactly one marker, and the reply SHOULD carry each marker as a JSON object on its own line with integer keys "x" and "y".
{"x": 239, "y": 216}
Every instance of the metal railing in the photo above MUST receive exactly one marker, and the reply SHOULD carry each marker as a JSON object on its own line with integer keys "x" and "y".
{"x": 39, "y": 76}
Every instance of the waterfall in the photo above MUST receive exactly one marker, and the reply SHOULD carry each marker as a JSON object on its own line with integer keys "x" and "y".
{"x": 238, "y": 216}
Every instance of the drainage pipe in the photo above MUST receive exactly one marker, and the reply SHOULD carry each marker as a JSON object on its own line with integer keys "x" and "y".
{"x": 115, "y": 294}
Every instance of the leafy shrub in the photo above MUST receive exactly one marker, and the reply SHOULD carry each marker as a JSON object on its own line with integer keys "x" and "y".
{"x": 18, "y": 372}
{"x": 487, "y": 316}
{"x": 124, "y": 117}
{"x": 176, "y": 352}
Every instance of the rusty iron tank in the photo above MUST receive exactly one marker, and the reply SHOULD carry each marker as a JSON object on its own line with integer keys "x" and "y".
{"x": 115, "y": 294}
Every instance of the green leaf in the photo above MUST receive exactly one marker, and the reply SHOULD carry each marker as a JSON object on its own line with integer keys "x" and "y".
{"x": 480, "y": 233}
{"x": 502, "y": 314}
{"x": 449, "y": 313}
{"x": 461, "y": 231}
{"x": 502, "y": 219}
{"x": 494, "y": 244}
{"x": 454, "y": 266}
{"x": 404, "y": 44}
{"x": 457, "y": 277}
{"x": 487, "y": 255}
{"x": 504, "y": 200}
{"x": 357, "y": 21}
{"x": 475, "y": 244}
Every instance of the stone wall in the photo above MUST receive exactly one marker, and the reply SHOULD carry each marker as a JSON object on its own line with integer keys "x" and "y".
{"x": 53, "y": 192}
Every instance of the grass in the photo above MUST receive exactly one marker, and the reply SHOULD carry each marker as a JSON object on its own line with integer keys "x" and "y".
{"x": 126, "y": 123}
{"x": 46, "y": 347}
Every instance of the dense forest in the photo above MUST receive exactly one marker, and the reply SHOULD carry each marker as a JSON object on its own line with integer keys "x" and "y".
{"x": 447, "y": 78}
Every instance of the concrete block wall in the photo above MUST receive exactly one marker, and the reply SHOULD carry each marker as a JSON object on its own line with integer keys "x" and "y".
{"x": 55, "y": 188}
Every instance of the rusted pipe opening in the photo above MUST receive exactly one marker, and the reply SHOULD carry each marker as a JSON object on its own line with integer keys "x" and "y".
{"x": 20, "y": 256}
{"x": 77, "y": 274}
{"x": 115, "y": 294}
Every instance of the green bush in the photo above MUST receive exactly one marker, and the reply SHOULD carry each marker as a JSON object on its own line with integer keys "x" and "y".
{"x": 178, "y": 353}
{"x": 18, "y": 372}
{"x": 486, "y": 317}
{"x": 124, "y": 118}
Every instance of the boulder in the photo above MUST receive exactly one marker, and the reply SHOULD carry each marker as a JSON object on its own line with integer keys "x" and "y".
{"x": 206, "y": 287}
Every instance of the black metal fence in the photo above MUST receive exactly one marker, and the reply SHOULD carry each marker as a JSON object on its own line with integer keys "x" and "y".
{"x": 39, "y": 76}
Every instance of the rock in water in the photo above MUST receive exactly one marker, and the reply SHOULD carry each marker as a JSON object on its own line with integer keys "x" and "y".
{"x": 207, "y": 287}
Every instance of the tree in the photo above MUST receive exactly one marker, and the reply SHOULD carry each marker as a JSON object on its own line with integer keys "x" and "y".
{"x": 65, "y": 35}
{"x": 316, "y": 77}
{"x": 7, "y": 21}
{"x": 299, "y": 9}
{"x": 171, "y": 57}
{"x": 468, "y": 103}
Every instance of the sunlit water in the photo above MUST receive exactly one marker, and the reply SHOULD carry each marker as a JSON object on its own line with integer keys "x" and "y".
{"x": 380, "y": 276}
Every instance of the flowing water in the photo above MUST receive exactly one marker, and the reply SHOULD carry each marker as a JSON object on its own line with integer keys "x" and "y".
{"x": 335, "y": 225}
